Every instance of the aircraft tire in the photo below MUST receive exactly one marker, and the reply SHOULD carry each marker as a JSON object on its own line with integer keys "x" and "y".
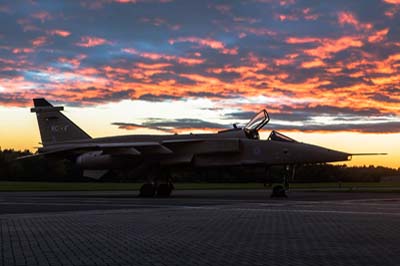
{"x": 147, "y": 190}
{"x": 164, "y": 190}
{"x": 278, "y": 191}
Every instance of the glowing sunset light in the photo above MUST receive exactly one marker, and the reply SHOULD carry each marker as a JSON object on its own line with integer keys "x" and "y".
{"x": 327, "y": 74}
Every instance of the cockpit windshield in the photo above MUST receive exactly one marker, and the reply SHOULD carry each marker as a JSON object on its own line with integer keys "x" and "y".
{"x": 258, "y": 121}
{"x": 276, "y": 136}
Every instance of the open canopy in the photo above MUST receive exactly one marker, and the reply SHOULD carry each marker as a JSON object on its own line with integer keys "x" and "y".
{"x": 258, "y": 121}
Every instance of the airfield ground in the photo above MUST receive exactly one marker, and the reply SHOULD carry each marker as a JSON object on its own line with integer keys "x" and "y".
{"x": 199, "y": 227}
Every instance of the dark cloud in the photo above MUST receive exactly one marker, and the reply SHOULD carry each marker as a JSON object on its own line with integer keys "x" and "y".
{"x": 208, "y": 95}
{"x": 380, "y": 127}
{"x": 158, "y": 98}
{"x": 133, "y": 126}
{"x": 182, "y": 123}
{"x": 240, "y": 115}
{"x": 385, "y": 98}
{"x": 168, "y": 125}
{"x": 304, "y": 114}
{"x": 13, "y": 99}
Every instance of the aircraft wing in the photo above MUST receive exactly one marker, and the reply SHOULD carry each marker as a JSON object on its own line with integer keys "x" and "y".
{"x": 123, "y": 148}
{"x": 189, "y": 147}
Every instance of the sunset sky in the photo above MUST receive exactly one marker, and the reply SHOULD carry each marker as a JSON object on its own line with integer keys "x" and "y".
{"x": 328, "y": 72}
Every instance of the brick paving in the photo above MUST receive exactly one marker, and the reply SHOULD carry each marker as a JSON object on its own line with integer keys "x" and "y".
{"x": 180, "y": 232}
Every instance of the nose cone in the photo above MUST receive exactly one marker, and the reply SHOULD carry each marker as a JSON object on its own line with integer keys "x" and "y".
{"x": 322, "y": 155}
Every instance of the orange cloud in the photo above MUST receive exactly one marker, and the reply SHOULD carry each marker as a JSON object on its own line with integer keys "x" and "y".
{"x": 330, "y": 46}
{"x": 217, "y": 45}
{"x": 315, "y": 63}
{"x": 297, "y": 40}
{"x": 393, "y": 2}
{"x": 346, "y": 17}
{"x": 378, "y": 36}
{"x": 89, "y": 41}
{"x": 62, "y": 33}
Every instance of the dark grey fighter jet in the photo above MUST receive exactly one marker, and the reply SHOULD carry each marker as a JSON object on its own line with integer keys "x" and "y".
{"x": 61, "y": 138}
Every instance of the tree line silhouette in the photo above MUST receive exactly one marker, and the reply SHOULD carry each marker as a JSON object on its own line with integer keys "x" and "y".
{"x": 44, "y": 169}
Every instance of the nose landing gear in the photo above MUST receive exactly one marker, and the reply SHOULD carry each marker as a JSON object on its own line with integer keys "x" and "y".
{"x": 279, "y": 187}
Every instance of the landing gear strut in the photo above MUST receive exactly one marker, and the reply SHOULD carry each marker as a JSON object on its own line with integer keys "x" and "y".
{"x": 279, "y": 188}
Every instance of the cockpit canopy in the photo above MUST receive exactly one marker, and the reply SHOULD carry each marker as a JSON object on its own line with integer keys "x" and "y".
{"x": 259, "y": 121}
{"x": 255, "y": 124}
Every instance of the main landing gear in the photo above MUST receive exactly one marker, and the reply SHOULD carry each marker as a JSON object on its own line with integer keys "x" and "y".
{"x": 155, "y": 188}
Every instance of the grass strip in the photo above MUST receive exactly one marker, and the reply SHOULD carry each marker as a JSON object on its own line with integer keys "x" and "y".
{"x": 97, "y": 186}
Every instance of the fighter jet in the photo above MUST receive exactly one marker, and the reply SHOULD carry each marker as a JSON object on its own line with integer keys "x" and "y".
{"x": 157, "y": 154}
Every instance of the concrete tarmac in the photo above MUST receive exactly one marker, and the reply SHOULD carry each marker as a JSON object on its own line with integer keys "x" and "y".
{"x": 199, "y": 227}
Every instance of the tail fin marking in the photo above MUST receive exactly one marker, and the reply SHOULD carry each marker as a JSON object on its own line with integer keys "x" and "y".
{"x": 54, "y": 126}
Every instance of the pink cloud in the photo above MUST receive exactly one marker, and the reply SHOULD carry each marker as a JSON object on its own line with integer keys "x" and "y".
{"x": 256, "y": 31}
{"x": 89, "y": 41}
{"x": 214, "y": 44}
{"x": 308, "y": 14}
{"x": 5, "y": 9}
{"x": 42, "y": 16}
{"x": 161, "y": 22}
{"x": 22, "y": 50}
{"x": 75, "y": 62}
{"x": 39, "y": 41}
{"x": 62, "y": 33}
{"x": 222, "y": 8}
{"x": 27, "y": 25}
{"x": 159, "y": 56}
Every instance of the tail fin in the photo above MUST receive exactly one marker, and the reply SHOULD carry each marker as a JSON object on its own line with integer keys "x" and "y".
{"x": 53, "y": 125}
